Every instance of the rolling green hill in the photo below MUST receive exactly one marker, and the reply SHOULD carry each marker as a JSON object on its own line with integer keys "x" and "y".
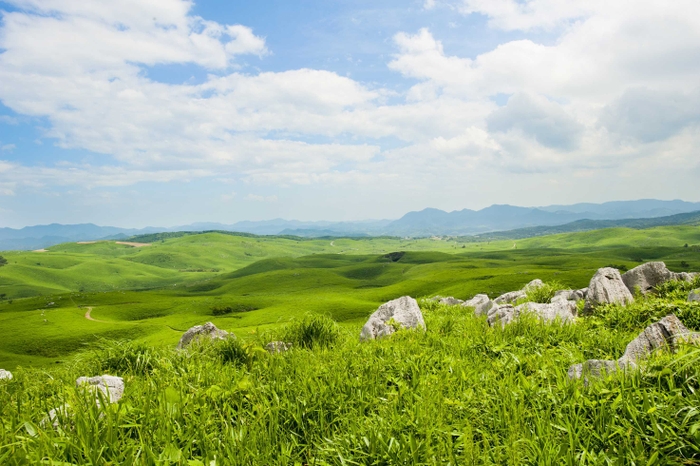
{"x": 154, "y": 293}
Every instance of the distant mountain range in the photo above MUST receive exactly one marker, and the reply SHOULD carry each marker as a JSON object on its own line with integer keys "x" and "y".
{"x": 529, "y": 221}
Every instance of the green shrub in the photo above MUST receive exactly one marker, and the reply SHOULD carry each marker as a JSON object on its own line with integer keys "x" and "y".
{"x": 677, "y": 289}
{"x": 237, "y": 352}
{"x": 223, "y": 310}
{"x": 312, "y": 331}
{"x": 124, "y": 357}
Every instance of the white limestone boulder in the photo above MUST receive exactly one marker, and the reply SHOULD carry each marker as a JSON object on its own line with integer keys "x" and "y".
{"x": 207, "y": 330}
{"x": 403, "y": 312}
{"x": 606, "y": 286}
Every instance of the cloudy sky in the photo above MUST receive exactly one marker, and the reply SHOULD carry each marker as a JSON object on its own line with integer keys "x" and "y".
{"x": 165, "y": 112}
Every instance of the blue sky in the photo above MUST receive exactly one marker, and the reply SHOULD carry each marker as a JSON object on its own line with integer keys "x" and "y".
{"x": 169, "y": 112}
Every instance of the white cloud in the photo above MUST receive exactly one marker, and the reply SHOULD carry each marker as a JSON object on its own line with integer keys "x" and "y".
{"x": 429, "y": 4}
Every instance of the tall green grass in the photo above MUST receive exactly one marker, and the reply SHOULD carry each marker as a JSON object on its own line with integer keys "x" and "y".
{"x": 459, "y": 393}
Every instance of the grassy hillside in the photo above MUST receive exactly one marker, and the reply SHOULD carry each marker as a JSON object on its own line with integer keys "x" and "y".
{"x": 270, "y": 292}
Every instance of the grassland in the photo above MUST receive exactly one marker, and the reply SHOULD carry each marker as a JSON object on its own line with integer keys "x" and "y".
{"x": 152, "y": 294}
{"x": 459, "y": 393}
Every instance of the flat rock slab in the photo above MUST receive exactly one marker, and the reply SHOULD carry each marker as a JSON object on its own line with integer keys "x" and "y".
{"x": 403, "y": 312}
{"x": 5, "y": 375}
{"x": 207, "y": 330}
{"x": 448, "y": 300}
{"x": 605, "y": 287}
{"x": 562, "y": 310}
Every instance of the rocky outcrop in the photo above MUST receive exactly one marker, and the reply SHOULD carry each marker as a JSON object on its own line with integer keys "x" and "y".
{"x": 5, "y": 375}
{"x": 207, "y": 330}
{"x": 694, "y": 295}
{"x": 513, "y": 296}
{"x": 449, "y": 300}
{"x": 666, "y": 334}
{"x": 402, "y": 312}
{"x": 562, "y": 310}
{"x": 275, "y": 347}
{"x": 111, "y": 387}
{"x": 481, "y": 304}
{"x": 606, "y": 286}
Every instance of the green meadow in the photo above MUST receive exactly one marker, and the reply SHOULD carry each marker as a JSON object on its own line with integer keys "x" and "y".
{"x": 154, "y": 293}
{"x": 459, "y": 393}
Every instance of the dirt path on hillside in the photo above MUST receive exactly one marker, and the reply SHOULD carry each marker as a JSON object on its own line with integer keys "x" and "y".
{"x": 134, "y": 245}
{"x": 89, "y": 317}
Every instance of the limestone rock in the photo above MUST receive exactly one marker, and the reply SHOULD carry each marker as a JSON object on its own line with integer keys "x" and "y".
{"x": 511, "y": 297}
{"x": 57, "y": 415}
{"x": 403, "y": 311}
{"x": 694, "y": 295}
{"x": 536, "y": 283}
{"x": 592, "y": 368}
{"x": 647, "y": 276}
{"x": 207, "y": 330}
{"x": 606, "y": 287}
{"x": 481, "y": 304}
{"x": 570, "y": 295}
{"x": 563, "y": 310}
{"x": 684, "y": 276}
{"x": 111, "y": 387}
{"x": 668, "y": 333}
{"x": 503, "y": 314}
{"x": 449, "y": 300}
{"x": 275, "y": 347}
{"x": 5, "y": 375}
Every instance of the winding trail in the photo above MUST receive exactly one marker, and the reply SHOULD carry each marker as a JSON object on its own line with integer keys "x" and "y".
{"x": 89, "y": 317}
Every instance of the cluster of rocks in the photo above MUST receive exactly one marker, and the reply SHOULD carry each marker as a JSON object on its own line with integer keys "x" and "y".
{"x": 5, "y": 375}
{"x": 666, "y": 334}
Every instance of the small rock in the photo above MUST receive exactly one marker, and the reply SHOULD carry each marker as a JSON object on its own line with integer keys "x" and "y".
{"x": 481, "y": 304}
{"x": 504, "y": 313}
{"x": 646, "y": 276}
{"x": 694, "y": 295}
{"x": 5, "y": 375}
{"x": 56, "y": 415}
{"x": 449, "y": 300}
{"x": 510, "y": 297}
{"x": 275, "y": 347}
{"x": 403, "y": 311}
{"x": 592, "y": 368}
{"x": 536, "y": 283}
{"x": 207, "y": 330}
{"x": 606, "y": 287}
{"x": 111, "y": 387}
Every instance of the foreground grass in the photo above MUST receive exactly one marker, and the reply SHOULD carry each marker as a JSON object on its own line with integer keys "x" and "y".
{"x": 458, "y": 393}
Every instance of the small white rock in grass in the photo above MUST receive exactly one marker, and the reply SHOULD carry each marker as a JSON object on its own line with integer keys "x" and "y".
{"x": 481, "y": 304}
{"x": 403, "y": 312}
{"x": 207, "y": 330}
{"x": 563, "y": 310}
{"x": 111, "y": 387}
{"x": 5, "y": 375}
{"x": 275, "y": 347}
{"x": 694, "y": 295}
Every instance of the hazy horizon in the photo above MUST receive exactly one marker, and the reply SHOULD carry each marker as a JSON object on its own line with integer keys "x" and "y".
{"x": 174, "y": 112}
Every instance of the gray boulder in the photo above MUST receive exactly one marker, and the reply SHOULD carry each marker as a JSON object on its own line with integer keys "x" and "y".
{"x": 207, "y": 330}
{"x": 570, "y": 295}
{"x": 647, "y": 276}
{"x": 403, "y": 312}
{"x": 5, "y": 375}
{"x": 684, "y": 276}
{"x": 481, "y": 304}
{"x": 275, "y": 347}
{"x": 694, "y": 295}
{"x": 111, "y": 387}
{"x": 563, "y": 310}
{"x": 606, "y": 286}
{"x": 666, "y": 334}
{"x": 536, "y": 283}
